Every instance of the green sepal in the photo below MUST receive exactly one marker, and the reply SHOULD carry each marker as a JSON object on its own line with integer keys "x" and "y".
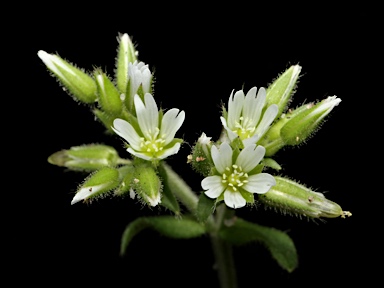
{"x": 108, "y": 95}
{"x": 105, "y": 119}
{"x": 79, "y": 84}
{"x": 201, "y": 159}
{"x": 126, "y": 54}
{"x": 146, "y": 183}
{"x": 126, "y": 176}
{"x": 272, "y": 141}
{"x": 258, "y": 169}
{"x": 249, "y": 197}
{"x": 278, "y": 243}
{"x": 205, "y": 207}
{"x": 97, "y": 184}
{"x": 88, "y": 157}
{"x": 237, "y": 145}
{"x": 169, "y": 226}
{"x": 293, "y": 198}
{"x": 168, "y": 198}
{"x": 271, "y": 163}
{"x": 304, "y": 121}
{"x": 281, "y": 90}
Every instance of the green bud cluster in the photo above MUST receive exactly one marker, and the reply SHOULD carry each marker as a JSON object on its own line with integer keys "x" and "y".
{"x": 108, "y": 98}
{"x": 293, "y": 126}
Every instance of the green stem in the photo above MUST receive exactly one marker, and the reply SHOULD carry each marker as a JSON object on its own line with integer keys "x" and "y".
{"x": 181, "y": 189}
{"x": 222, "y": 251}
{"x": 224, "y": 262}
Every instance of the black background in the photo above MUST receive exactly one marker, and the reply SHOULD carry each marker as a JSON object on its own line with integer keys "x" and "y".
{"x": 198, "y": 55}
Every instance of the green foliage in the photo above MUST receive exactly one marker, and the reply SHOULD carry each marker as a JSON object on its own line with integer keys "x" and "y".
{"x": 169, "y": 226}
{"x": 279, "y": 244}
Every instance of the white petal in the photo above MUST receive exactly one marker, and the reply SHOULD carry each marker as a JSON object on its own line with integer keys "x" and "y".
{"x": 231, "y": 135}
{"x": 171, "y": 122}
{"x": 86, "y": 192}
{"x": 234, "y": 199}
{"x": 49, "y": 61}
{"x": 213, "y": 186}
{"x": 152, "y": 201}
{"x": 268, "y": 117}
{"x": 235, "y": 106}
{"x": 259, "y": 183}
{"x": 146, "y": 81}
{"x": 250, "y": 141}
{"x": 127, "y": 132}
{"x": 139, "y": 154}
{"x": 222, "y": 157}
{"x": 254, "y": 106}
{"x": 170, "y": 151}
{"x": 148, "y": 115}
{"x": 249, "y": 157}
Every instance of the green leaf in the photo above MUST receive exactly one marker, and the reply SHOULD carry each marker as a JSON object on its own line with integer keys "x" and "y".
{"x": 205, "y": 207}
{"x": 174, "y": 227}
{"x": 132, "y": 229}
{"x": 169, "y": 226}
{"x": 279, "y": 244}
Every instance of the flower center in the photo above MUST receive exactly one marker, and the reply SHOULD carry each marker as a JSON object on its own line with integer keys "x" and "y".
{"x": 245, "y": 127}
{"x": 152, "y": 143}
{"x": 234, "y": 177}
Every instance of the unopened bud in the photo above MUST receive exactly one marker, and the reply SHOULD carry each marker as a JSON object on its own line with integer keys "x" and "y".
{"x": 201, "y": 159}
{"x": 98, "y": 184}
{"x": 85, "y": 157}
{"x": 296, "y": 199}
{"x": 79, "y": 84}
{"x": 109, "y": 96}
{"x": 297, "y": 125}
{"x": 146, "y": 184}
{"x": 281, "y": 90}
{"x": 303, "y": 123}
{"x": 126, "y": 54}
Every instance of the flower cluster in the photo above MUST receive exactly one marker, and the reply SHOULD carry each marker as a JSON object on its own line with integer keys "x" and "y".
{"x": 236, "y": 173}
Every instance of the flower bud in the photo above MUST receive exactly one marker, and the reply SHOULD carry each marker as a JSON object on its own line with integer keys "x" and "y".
{"x": 126, "y": 177}
{"x": 304, "y": 122}
{"x": 281, "y": 90}
{"x": 126, "y": 54}
{"x": 297, "y": 125}
{"x": 79, "y": 84}
{"x": 86, "y": 157}
{"x": 296, "y": 199}
{"x": 201, "y": 159}
{"x": 146, "y": 184}
{"x": 109, "y": 96}
{"x": 139, "y": 82}
{"x": 97, "y": 184}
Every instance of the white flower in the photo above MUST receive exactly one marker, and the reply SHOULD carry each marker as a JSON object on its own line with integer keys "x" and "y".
{"x": 245, "y": 118}
{"x": 139, "y": 74}
{"x": 235, "y": 177}
{"x": 152, "y": 140}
